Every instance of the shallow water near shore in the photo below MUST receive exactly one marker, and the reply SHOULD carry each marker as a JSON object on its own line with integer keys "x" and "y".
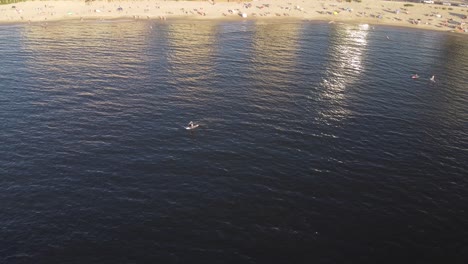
{"x": 314, "y": 146}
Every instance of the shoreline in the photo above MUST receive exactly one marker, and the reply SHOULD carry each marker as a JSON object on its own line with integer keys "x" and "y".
{"x": 375, "y": 12}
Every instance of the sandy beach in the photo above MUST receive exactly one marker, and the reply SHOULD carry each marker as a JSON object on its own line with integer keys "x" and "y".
{"x": 427, "y": 16}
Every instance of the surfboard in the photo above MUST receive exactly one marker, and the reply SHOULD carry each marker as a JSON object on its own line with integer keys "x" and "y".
{"x": 190, "y": 128}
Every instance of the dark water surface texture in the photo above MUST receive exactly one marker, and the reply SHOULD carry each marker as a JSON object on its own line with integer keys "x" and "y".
{"x": 314, "y": 146}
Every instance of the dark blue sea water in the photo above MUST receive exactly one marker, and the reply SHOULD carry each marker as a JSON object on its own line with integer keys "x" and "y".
{"x": 314, "y": 146}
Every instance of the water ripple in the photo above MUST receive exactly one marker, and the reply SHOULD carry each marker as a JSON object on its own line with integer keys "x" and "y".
{"x": 310, "y": 134}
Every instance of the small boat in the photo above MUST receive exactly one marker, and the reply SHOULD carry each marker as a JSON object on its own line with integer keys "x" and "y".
{"x": 415, "y": 76}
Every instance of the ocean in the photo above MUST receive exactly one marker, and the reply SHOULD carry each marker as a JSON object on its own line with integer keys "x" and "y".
{"x": 315, "y": 145}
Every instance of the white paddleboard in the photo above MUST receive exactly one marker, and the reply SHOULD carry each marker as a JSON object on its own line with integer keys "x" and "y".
{"x": 190, "y": 128}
